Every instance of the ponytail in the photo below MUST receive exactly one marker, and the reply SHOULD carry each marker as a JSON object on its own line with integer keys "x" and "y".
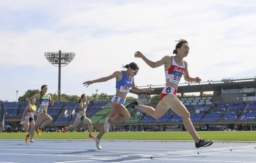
{"x": 80, "y": 99}
{"x": 126, "y": 66}
{"x": 132, "y": 65}
{"x": 174, "y": 51}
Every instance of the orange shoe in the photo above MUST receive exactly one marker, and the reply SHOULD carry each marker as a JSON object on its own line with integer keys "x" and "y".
{"x": 27, "y": 137}
{"x": 38, "y": 130}
{"x": 91, "y": 136}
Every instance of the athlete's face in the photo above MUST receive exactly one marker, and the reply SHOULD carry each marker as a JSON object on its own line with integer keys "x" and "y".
{"x": 33, "y": 101}
{"x": 133, "y": 72}
{"x": 84, "y": 98}
{"x": 44, "y": 90}
{"x": 183, "y": 50}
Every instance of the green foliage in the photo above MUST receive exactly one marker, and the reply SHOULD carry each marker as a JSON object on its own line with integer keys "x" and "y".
{"x": 28, "y": 94}
{"x": 154, "y": 99}
{"x": 66, "y": 98}
{"x": 63, "y": 97}
{"x": 130, "y": 98}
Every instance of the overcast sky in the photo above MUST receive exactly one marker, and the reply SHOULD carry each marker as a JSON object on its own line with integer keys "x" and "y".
{"x": 105, "y": 34}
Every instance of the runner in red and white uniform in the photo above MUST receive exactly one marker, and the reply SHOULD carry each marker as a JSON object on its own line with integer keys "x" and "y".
{"x": 175, "y": 68}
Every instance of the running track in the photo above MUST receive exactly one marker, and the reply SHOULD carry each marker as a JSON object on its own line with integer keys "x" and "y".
{"x": 79, "y": 151}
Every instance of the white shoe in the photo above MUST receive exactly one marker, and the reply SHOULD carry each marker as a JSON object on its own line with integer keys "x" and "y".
{"x": 107, "y": 126}
{"x": 31, "y": 141}
{"x": 97, "y": 141}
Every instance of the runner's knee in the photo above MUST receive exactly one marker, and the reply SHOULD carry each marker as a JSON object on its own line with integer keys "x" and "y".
{"x": 186, "y": 115}
{"x": 127, "y": 117}
{"x": 157, "y": 116}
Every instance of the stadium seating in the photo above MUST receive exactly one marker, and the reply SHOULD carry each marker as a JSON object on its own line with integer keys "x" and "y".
{"x": 248, "y": 116}
{"x": 229, "y": 116}
{"x": 202, "y": 108}
{"x": 196, "y": 117}
{"x": 237, "y": 106}
{"x": 251, "y": 106}
{"x": 99, "y": 110}
{"x": 55, "y": 108}
{"x": 22, "y": 107}
{"x": 214, "y": 116}
{"x": 221, "y": 107}
{"x": 11, "y": 109}
{"x": 175, "y": 119}
{"x": 62, "y": 119}
{"x": 147, "y": 119}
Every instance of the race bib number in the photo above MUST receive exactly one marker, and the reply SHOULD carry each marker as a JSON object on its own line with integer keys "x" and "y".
{"x": 32, "y": 113}
{"x": 27, "y": 117}
{"x": 79, "y": 116}
{"x": 175, "y": 79}
{"x": 168, "y": 90}
{"x": 116, "y": 99}
{"x": 45, "y": 103}
{"x": 124, "y": 89}
{"x": 40, "y": 110}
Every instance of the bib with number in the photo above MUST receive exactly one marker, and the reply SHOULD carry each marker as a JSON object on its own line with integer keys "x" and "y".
{"x": 124, "y": 84}
{"x": 175, "y": 72}
{"x": 117, "y": 99}
{"x": 169, "y": 90}
{"x": 45, "y": 100}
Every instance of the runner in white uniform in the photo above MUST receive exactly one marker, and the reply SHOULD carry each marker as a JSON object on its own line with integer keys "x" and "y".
{"x": 81, "y": 116}
{"x": 43, "y": 118}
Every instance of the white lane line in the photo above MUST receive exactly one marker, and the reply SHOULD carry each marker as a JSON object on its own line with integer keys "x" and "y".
{"x": 203, "y": 160}
{"x": 73, "y": 161}
{"x": 44, "y": 155}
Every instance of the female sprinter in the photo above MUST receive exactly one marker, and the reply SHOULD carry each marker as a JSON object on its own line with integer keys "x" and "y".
{"x": 28, "y": 116}
{"x": 174, "y": 67}
{"x": 81, "y": 116}
{"x": 42, "y": 117}
{"x": 124, "y": 81}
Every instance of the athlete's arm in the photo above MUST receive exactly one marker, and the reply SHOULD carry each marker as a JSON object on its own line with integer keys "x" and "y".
{"x": 116, "y": 75}
{"x": 51, "y": 99}
{"x": 37, "y": 96}
{"x": 187, "y": 77}
{"x": 87, "y": 101}
{"x": 24, "y": 113}
{"x": 152, "y": 64}
{"x": 135, "y": 89}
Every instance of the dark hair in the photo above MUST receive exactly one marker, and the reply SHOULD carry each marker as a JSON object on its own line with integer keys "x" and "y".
{"x": 179, "y": 44}
{"x": 80, "y": 99}
{"x": 42, "y": 87}
{"x": 132, "y": 65}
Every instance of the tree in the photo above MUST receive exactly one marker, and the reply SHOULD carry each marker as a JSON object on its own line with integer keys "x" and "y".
{"x": 28, "y": 94}
{"x": 130, "y": 98}
{"x": 154, "y": 99}
{"x": 103, "y": 97}
{"x": 74, "y": 98}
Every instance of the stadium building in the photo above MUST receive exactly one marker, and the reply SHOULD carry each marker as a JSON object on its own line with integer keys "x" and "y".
{"x": 229, "y": 104}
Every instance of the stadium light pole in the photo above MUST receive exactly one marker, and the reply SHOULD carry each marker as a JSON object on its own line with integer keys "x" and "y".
{"x": 59, "y": 59}
{"x": 17, "y": 92}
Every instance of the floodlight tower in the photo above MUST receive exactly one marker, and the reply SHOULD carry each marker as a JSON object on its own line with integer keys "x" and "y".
{"x": 59, "y": 59}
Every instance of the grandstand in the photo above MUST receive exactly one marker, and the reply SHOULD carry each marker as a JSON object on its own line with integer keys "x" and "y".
{"x": 232, "y": 102}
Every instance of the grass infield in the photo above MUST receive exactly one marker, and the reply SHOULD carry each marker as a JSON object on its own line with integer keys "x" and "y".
{"x": 171, "y": 135}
